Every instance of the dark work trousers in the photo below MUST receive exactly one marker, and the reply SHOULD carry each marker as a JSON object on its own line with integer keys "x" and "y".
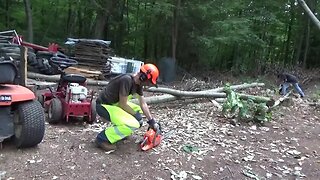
{"x": 102, "y": 112}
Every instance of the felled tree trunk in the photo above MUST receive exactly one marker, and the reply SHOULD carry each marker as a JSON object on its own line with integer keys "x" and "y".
{"x": 55, "y": 78}
{"x": 191, "y": 93}
{"x": 172, "y": 94}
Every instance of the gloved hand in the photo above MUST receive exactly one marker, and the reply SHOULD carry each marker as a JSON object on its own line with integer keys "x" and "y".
{"x": 154, "y": 125}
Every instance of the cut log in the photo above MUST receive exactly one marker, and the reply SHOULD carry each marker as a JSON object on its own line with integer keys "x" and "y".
{"x": 55, "y": 78}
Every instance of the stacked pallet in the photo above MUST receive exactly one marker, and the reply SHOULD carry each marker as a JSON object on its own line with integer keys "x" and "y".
{"x": 93, "y": 53}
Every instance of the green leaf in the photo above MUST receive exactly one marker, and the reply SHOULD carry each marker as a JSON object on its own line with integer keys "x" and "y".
{"x": 190, "y": 148}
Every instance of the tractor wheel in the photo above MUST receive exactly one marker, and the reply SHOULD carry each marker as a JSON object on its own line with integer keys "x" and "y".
{"x": 55, "y": 111}
{"x": 93, "y": 114}
{"x": 29, "y": 124}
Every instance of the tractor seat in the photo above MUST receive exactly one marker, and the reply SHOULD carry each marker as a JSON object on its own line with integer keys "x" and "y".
{"x": 74, "y": 78}
{"x": 8, "y": 71}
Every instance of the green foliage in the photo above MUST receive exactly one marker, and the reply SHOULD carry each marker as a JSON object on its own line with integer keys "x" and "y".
{"x": 316, "y": 95}
{"x": 241, "y": 36}
{"x": 245, "y": 110}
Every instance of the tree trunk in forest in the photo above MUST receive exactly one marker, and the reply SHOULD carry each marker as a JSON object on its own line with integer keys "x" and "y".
{"x": 100, "y": 24}
{"x": 103, "y": 12}
{"x": 136, "y": 27}
{"x": 306, "y": 48}
{"x": 145, "y": 36}
{"x": 121, "y": 29}
{"x": 298, "y": 45}
{"x": 7, "y": 14}
{"x": 309, "y": 13}
{"x": 80, "y": 23}
{"x": 175, "y": 26}
{"x": 288, "y": 59}
{"x": 68, "y": 29}
{"x": 28, "y": 10}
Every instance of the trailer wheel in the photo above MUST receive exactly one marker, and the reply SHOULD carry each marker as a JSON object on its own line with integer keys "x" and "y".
{"x": 40, "y": 98}
{"x": 55, "y": 111}
{"x": 93, "y": 113}
{"x": 29, "y": 124}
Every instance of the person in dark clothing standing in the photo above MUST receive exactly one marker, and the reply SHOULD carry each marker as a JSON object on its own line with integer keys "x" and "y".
{"x": 287, "y": 79}
{"x": 113, "y": 105}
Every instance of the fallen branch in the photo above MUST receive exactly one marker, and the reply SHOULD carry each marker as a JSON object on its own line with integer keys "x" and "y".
{"x": 280, "y": 100}
{"x": 216, "y": 104}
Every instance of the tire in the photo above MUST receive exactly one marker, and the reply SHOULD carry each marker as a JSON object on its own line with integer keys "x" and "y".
{"x": 29, "y": 124}
{"x": 38, "y": 63}
{"x": 41, "y": 63}
{"x": 93, "y": 113}
{"x": 55, "y": 111}
{"x": 15, "y": 56}
{"x": 10, "y": 49}
{"x": 40, "y": 98}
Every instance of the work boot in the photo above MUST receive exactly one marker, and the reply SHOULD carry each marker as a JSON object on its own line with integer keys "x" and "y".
{"x": 106, "y": 146}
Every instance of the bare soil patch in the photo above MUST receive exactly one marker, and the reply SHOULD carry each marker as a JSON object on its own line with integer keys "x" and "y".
{"x": 200, "y": 144}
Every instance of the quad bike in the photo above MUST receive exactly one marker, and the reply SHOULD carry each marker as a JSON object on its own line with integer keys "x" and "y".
{"x": 21, "y": 115}
{"x": 39, "y": 57}
{"x": 71, "y": 97}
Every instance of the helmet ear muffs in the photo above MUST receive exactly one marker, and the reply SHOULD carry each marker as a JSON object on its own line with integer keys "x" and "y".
{"x": 143, "y": 77}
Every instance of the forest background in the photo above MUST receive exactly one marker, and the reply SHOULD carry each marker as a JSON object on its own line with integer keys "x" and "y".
{"x": 243, "y": 36}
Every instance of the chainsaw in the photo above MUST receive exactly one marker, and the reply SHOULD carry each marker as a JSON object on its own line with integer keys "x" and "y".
{"x": 150, "y": 139}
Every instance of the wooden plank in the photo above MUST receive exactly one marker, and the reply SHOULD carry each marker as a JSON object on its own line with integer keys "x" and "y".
{"x": 23, "y": 65}
{"x": 85, "y": 70}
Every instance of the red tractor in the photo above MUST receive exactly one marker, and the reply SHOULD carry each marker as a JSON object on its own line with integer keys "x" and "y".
{"x": 21, "y": 115}
{"x": 71, "y": 98}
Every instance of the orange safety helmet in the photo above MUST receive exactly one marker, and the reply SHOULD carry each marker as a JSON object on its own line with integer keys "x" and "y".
{"x": 149, "y": 72}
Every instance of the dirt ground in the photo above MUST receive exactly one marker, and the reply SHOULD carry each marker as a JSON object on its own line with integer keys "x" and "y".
{"x": 199, "y": 144}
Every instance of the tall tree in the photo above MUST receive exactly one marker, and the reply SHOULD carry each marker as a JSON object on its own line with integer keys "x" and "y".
{"x": 175, "y": 26}
{"x": 28, "y": 10}
{"x": 104, "y": 11}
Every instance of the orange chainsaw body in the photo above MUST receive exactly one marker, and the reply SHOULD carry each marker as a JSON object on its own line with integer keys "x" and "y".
{"x": 150, "y": 139}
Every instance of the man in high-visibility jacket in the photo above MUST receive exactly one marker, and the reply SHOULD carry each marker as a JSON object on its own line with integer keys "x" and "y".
{"x": 112, "y": 105}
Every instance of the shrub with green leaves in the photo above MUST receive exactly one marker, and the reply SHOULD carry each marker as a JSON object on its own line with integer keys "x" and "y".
{"x": 245, "y": 110}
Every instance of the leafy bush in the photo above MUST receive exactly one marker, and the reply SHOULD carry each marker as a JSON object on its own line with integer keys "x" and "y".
{"x": 245, "y": 110}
